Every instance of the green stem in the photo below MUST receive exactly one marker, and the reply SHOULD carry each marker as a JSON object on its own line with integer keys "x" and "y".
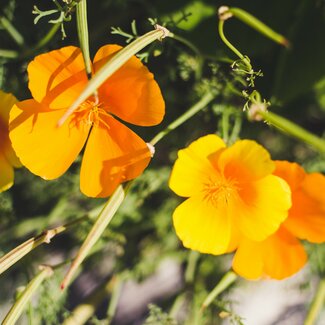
{"x": 192, "y": 261}
{"x": 204, "y": 101}
{"x": 232, "y": 47}
{"x": 96, "y": 231}
{"x": 317, "y": 304}
{"x": 225, "y": 125}
{"x": 12, "y": 31}
{"x": 196, "y": 50}
{"x": 42, "y": 42}
{"x": 293, "y": 129}
{"x": 82, "y": 27}
{"x": 258, "y": 25}
{"x": 10, "y": 54}
{"x": 19, "y": 306}
{"x": 228, "y": 279}
{"x": 113, "y": 65}
{"x": 19, "y": 252}
{"x": 116, "y": 292}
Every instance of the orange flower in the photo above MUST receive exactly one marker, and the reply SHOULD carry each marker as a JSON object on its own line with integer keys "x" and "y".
{"x": 281, "y": 255}
{"x": 113, "y": 153}
{"x": 231, "y": 193}
{"x": 8, "y": 159}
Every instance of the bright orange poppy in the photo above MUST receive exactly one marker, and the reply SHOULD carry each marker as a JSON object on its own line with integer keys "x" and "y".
{"x": 8, "y": 158}
{"x": 281, "y": 255}
{"x": 231, "y": 193}
{"x": 113, "y": 153}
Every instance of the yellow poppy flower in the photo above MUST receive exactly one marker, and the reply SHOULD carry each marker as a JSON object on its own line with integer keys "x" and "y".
{"x": 231, "y": 193}
{"x": 113, "y": 153}
{"x": 8, "y": 158}
{"x": 281, "y": 255}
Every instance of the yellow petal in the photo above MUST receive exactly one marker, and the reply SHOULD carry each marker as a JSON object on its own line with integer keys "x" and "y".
{"x": 245, "y": 161}
{"x": 202, "y": 227}
{"x": 6, "y": 103}
{"x": 45, "y": 149}
{"x": 57, "y": 78}
{"x": 261, "y": 208}
{"x": 6, "y": 174}
{"x": 131, "y": 93}
{"x": 279, "y": 256}
{"x": 114, "y": 154}
{"x": 193, "y": 169}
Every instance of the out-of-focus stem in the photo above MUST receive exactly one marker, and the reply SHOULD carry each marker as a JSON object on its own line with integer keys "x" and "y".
{"x": 316, "y": 305}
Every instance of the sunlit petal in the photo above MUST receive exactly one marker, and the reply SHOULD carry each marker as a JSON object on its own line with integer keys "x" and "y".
{"x": 193, "y": 169}
{"x": 201, "y": 226}
{"x": 42, "y": 147}
{"x": 245, "y": 161}
{"x": 263, "y": 205}
{"x": 57, "y": 78}
{"x": 114, "y": 154}
{"x": 131, "y": 93}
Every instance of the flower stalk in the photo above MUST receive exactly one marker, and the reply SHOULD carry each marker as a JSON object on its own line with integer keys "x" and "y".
{"x": 258, "y": 25}
{"x": 227, "y": 280}
{"x": 202, "y": 103}
{"x": 82, "y": 27}
{"x": 293, "y": 130}
{"x": 19, "y": 252}
{"x": 317, "y": 304}
{"x": 12, "y": 31}
{"x": 96, "y": 231}
{"x": 21, "y": 303}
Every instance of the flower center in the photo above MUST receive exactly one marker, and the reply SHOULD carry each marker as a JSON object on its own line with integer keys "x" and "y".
{"x": 89, "y": 113}
{"x": 220, "y": 191}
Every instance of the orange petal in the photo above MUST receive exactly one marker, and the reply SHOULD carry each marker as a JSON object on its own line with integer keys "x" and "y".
{"x": 42, "y": 147}
{"x": 114, "y": 154}
{"x": 201, "y": 226}
{"x": 279, "y": 256}
{"x": 261, "y": 207}
{"x": 57, "y": 78}
{"x": 292, "y": 173}
{"x": 307, "y": 216}
{"x": 193, "y": 169}
{"x": 245, "y": 161}
{"x": 6, "y": 174}
{"x": 131, "y": 93}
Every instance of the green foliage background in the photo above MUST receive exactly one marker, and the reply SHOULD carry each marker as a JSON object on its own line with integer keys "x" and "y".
{"x": 141, "y": 234}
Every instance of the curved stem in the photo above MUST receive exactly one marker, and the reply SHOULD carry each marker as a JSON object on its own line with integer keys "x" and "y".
{"x": 231, "y": 47}
{"x": 205, "y": 100}
{"x": 41, "y": 43}
{"x": 228, "y": 279}
{"x": 196, "y": 50}
{"x": 317, "y": 304}
{"x": 187, "y": 43}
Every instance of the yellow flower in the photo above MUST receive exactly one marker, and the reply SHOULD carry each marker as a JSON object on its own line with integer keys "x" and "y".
{"x": 281, "y": 255}
{"x": 8, "y": 159}
{"x": 231, "y": 193}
